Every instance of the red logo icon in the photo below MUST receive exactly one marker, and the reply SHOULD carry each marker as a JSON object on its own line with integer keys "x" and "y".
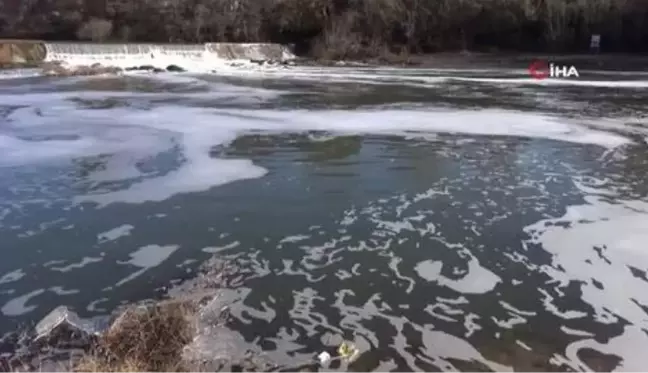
{"x": 539, "y": 70}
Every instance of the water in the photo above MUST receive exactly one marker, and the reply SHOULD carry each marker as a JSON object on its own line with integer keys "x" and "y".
{"x": 195, "y": 57}
{"x": 440, "y": 219}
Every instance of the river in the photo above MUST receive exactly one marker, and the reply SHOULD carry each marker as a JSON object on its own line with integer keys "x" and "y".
{"x": 442, "y": 219}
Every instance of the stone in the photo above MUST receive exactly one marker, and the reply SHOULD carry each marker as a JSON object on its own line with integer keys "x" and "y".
{"x": 141, "y": 68}
{"x": 63, "y": 328}
{"x": 54, "y": 69}
{"x": 175, "y": 69}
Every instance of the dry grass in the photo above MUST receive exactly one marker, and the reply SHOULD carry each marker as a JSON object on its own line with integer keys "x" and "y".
{"x": 145, "y": 338}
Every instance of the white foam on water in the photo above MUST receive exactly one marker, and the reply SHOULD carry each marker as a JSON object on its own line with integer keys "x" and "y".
{"x": 115, "y": 233}
{"x": 439, "y": 348}
{"x": 420, "y": 77}
{"x": 218, "y": 249}
{"x": 448, "y": 346}
{"x": 142, "y": 134}
{"x": 613, "y": 72}
{"x": 575, "y": 332}
{"x": 84, "y": 262}
{"x": 147, "y": 257}
{"x": 151, "y": 255}
{"x": 294, "y": 238}
{"x": 12, "y": 276}
{"x": 15, "y": 149}
{"x": 75, "y": 137}
{"x": 478, "y": 279}
{"x": 18, "y": 306}
{"x": 333, "y": 75}
{"x": 94, "y": 305}
{"x": 523, "y": 345}
{"x": 202, "y": 174}
{"x": 559, "y": 82}
{"x": 618, "y": 230}
{"x": 59, "y": 103}
{"x": 19, "y": 73}
{"x": 509, "y": 307}
{"x": 475, "y": 122}
{"x": 59, "y": 290}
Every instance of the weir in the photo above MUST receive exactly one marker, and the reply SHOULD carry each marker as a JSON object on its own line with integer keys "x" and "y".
{"x": 21, "y": 51}
{"x": 251, "y": 51}
{"x": 124, "y": 55}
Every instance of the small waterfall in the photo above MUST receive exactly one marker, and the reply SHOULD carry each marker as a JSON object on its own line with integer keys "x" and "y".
{"x": 193, "y": 57}
{"x": 249, "y": 51}
{"x": 88, "y": 53}
{"x": 193, "y": 52}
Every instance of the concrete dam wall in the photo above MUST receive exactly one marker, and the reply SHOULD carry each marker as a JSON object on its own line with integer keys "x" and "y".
{"x": 135, "y": 54}
{"x": 21, "y": 51}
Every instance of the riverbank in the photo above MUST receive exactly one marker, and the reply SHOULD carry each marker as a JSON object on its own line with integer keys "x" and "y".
{"x": 72, "y": 58}
{"x": 182, "y": 331}
{"x": 468, "y": 60}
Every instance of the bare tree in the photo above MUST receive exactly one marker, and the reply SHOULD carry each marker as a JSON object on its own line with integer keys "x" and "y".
{"x": 369, "y": 25}
{"x": 200, "y": 16}
{"x": 95, "y": 29}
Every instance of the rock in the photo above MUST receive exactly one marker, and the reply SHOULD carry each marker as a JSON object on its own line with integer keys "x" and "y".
{"x": 141, "y": 68}
{"x": 258, "y": 62}
{"x": 94, "y": 70}
{"x": 63, "y": 328}
{"x": 158, "y": 70}
{"x": 217, "y": 348}
{"x": 52, "y": 68}
{"x": 57, "y": 69}
{"x": 175, "y": 69}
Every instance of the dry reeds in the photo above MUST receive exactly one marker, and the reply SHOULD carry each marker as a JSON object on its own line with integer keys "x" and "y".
{"x": 144, "y": 338}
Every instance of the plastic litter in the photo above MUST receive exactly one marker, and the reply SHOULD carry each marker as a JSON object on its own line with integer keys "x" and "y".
{"x": 324, "y": 357}
{"x": 347, "y": 351}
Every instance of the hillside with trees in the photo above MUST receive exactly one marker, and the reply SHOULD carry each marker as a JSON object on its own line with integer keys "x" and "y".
{"x": 341, "y": 28}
